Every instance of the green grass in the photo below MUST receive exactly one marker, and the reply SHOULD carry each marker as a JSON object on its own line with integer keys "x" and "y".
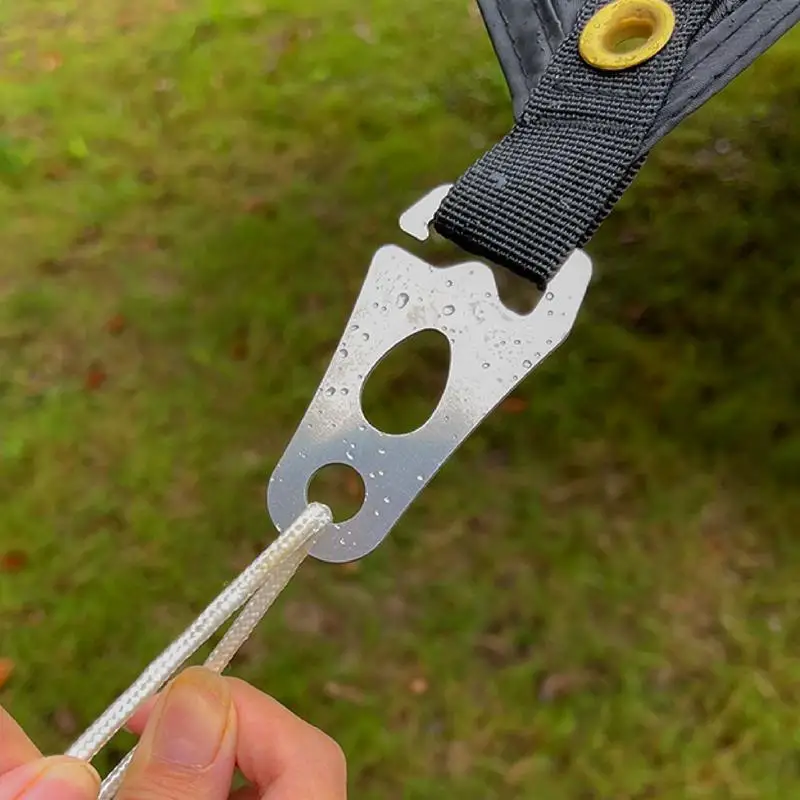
{"x": 597, "y": 598}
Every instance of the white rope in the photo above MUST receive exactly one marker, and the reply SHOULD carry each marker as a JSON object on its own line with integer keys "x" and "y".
{"x": 255, "y": 589}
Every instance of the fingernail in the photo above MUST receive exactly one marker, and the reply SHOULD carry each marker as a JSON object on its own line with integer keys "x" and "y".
{"x": 192, "y": 720}
{"x": 64, "y": 780}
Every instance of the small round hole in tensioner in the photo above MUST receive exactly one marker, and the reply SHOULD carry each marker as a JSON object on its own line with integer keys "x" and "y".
{"x": 339, "y": 487}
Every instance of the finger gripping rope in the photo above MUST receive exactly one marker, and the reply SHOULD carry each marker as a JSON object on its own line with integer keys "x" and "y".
{"x": 253, "y": 591}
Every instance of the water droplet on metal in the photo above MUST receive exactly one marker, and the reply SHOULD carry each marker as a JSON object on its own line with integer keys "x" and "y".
{"x": 381, "y": 452}
{"x": 344, "y": 391}
{"x": 549, "y": 296}
{"x": 402, "y": 300}
{"x": 353, "y": 328}
{"x": 348, "y": 455}
{"x": 448, "y": 284}
{"x": 527, "y": 364}
{"x": 330, "y": 391}
{"x": 485, "y": 365}
{"x": 386, "y": 500}
{"x": 517, "y": 342}
{"x": 448, "y": 310}
{"x": 365, "y": 337}
{"x": 343, "y": 353}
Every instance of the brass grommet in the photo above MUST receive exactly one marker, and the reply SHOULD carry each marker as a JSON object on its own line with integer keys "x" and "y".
{"x": 626, "y": 33}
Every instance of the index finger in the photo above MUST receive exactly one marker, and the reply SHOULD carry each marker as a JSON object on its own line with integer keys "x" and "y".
{"x": 16, "y": 748}
{"x": 284, "y": 756}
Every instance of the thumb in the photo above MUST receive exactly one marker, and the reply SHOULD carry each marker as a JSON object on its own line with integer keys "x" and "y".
{"x": 188, "y": 749}
{"x": 56, "y": 778}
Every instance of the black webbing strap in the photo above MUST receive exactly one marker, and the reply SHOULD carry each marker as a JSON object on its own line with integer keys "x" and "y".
{"x": 526, "y": 33}
{"x": 544, "y": 189}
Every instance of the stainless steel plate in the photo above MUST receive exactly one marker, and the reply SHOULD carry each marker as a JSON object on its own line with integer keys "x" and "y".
{"x": 492, "y": 350}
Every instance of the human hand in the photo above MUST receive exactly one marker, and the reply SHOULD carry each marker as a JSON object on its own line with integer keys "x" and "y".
{"x": 193, "y": 737}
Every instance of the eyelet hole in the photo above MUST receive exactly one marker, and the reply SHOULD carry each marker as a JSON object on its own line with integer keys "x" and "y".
{"x": 626, "y": 33}
{"x": 629, "y": 35}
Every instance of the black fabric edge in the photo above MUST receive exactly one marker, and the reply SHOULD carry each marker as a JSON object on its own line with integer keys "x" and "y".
{"x": 736, "y": 34}
{"x": 510, "y": 63}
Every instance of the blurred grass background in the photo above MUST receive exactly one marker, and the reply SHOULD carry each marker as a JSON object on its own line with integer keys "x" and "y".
{"x": 597, "y": 598}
